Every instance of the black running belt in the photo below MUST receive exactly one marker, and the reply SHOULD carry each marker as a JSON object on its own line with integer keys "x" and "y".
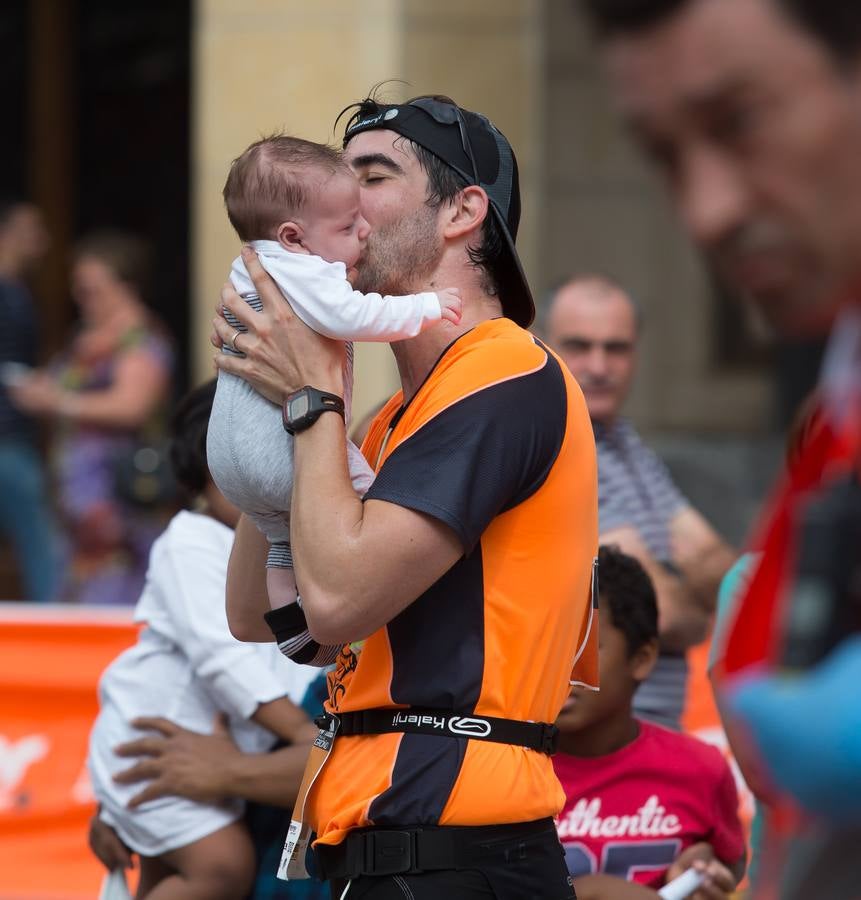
{"x": 535, "y": 735}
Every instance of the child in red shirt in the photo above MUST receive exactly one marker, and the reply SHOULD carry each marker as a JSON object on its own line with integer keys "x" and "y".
{"x": 644, "y": 803}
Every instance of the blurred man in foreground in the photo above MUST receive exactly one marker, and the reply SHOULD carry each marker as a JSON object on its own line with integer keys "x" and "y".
{"x": 752, "y": 111}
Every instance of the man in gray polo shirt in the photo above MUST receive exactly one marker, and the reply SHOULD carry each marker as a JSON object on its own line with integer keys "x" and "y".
{"x": 594, "y": 326}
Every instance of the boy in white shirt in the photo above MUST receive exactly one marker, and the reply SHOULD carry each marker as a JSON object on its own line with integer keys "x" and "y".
{"x": 297, "y": 203}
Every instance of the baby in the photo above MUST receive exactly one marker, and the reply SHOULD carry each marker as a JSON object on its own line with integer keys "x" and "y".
{"x": 297, "y": 204}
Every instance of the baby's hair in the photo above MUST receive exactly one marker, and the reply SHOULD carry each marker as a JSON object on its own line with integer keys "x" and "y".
{"x": 268, "y": 183}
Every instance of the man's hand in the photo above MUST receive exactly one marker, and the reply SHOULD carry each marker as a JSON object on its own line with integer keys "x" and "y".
{"x": 106, "y": 845}
{"x": 282, "y": 354}
{"x": 179, "y": 762}
{"x": 720, "y": 882}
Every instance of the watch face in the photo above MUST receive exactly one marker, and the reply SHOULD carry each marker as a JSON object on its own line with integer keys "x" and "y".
{"x": 299, "y": 407}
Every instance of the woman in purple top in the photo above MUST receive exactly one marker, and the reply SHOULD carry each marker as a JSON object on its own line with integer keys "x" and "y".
{"x": 105, "y": 391}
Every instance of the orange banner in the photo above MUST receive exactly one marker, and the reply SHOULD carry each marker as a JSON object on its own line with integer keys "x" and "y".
{"x": 51, "y": 658}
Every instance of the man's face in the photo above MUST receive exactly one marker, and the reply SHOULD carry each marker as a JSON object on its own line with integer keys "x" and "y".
{"x": 25, "y": 235}
{"x": 595, "y": 333}
{"x": 758, "y": 136}
{"x": 405, "y": 245}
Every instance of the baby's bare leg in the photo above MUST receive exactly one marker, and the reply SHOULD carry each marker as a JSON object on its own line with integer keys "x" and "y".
{"x": 281, "y": 587}
{"x": 219, "y": 866}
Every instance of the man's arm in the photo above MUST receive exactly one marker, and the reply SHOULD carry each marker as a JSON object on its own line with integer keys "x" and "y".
{"x": 701, "y": 554}
{"x": 246, "y": 594}
{"x": 357, "y": 564}
{"x": 682, "y": 619}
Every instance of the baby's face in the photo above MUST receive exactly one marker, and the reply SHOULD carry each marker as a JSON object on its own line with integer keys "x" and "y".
{"x": 333, "y": 226}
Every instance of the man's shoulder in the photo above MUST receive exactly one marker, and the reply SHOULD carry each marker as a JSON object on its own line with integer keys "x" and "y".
{"x": 493, "y": 350}
{"x": 497, "y": 367}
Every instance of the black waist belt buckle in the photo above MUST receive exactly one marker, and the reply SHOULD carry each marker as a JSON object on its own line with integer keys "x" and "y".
{"x": 382, "y": 853}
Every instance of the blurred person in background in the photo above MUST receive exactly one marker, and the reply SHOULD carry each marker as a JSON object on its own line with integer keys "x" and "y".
{"x": 751, "y": 109}
{"x": 103, "y": 394}
{"x": 593, "y": 325}
{"x": 24, "y": 508}
{"x": 644, "y": 803}
{"x": 188, "y": 668}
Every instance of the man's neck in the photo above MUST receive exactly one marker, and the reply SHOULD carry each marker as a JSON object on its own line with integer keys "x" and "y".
{"x": 416, "y": 356}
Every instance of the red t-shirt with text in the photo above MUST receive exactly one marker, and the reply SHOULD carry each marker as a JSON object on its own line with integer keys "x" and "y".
{"x": 632, "y": 812}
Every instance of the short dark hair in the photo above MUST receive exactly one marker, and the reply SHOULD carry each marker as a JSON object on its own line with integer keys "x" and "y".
{"x": 269, "y": 182}
{"x": 629, "y": 595}
{"x": 188, "y": 428}
{"x": 444, "y": 183}
{"x": 126, "y": 255}
{"x": 837, "y": 23}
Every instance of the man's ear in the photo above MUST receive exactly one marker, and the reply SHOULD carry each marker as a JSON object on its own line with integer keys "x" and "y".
{"x": 642, "y": 662}
{"x": 465, "y": 212}
{"x": 291, "y": 236}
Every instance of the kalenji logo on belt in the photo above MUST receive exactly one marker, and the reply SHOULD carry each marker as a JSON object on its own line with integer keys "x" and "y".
{"x": 411, "y": 719}
{"x": 469, "y": 727}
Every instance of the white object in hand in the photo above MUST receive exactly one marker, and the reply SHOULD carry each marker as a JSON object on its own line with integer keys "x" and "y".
{"x": 683, "y": 886}
{"x": 114, "y": 886}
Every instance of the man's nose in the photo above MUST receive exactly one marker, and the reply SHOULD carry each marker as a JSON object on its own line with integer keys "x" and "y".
{"x": 596, "y": 361}
{"x": 711, "y": 195}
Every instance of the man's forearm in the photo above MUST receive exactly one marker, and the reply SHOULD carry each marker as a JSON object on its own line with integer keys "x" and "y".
{"x": 267, "y": 777}
{"x": 358, "y": 564}
{"x": 325, "y": 523}
{"x": 247, "y": 598}
{"x": 682, "y": 619}
{"x": 705, "y": 574}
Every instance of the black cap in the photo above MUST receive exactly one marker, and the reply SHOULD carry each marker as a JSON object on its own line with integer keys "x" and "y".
{"x": 480, "y": 153}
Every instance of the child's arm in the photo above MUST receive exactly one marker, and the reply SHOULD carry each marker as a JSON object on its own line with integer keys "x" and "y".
{"x": 321, "y": 296}
{"x": 609, "y": 887}
{"x": 285, "y": 719}
{"x": 721, "y": 880}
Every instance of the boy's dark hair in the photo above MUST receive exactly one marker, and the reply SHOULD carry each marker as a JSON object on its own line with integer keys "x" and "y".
{"x": 629, "y": 594}
{"x": 268, "y": 183}
{"x": 837, "y": 23}
{"x": 189, "y": 423}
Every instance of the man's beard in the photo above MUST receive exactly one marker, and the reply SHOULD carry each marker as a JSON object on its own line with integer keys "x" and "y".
{"x": 400, "y": 257}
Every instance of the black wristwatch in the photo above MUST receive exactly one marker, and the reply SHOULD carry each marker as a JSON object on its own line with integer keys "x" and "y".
{"x": 302, "y": 408}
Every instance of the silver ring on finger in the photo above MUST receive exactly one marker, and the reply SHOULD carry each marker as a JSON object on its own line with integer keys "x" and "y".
{"x": 232, "y": 342}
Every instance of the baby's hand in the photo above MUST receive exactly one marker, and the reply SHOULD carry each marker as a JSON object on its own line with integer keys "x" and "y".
{"x": 451, "y": 304}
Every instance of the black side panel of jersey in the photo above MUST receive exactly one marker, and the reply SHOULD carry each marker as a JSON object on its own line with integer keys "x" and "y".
{"x": 481, "y": 456}
{"x": 437, "y": 646}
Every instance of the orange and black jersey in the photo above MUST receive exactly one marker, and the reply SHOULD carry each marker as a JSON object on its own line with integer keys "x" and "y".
{"x": 497, "y": 444}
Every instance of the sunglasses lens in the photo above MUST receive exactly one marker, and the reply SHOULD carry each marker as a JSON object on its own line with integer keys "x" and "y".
{"x": 444, "y": 113}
